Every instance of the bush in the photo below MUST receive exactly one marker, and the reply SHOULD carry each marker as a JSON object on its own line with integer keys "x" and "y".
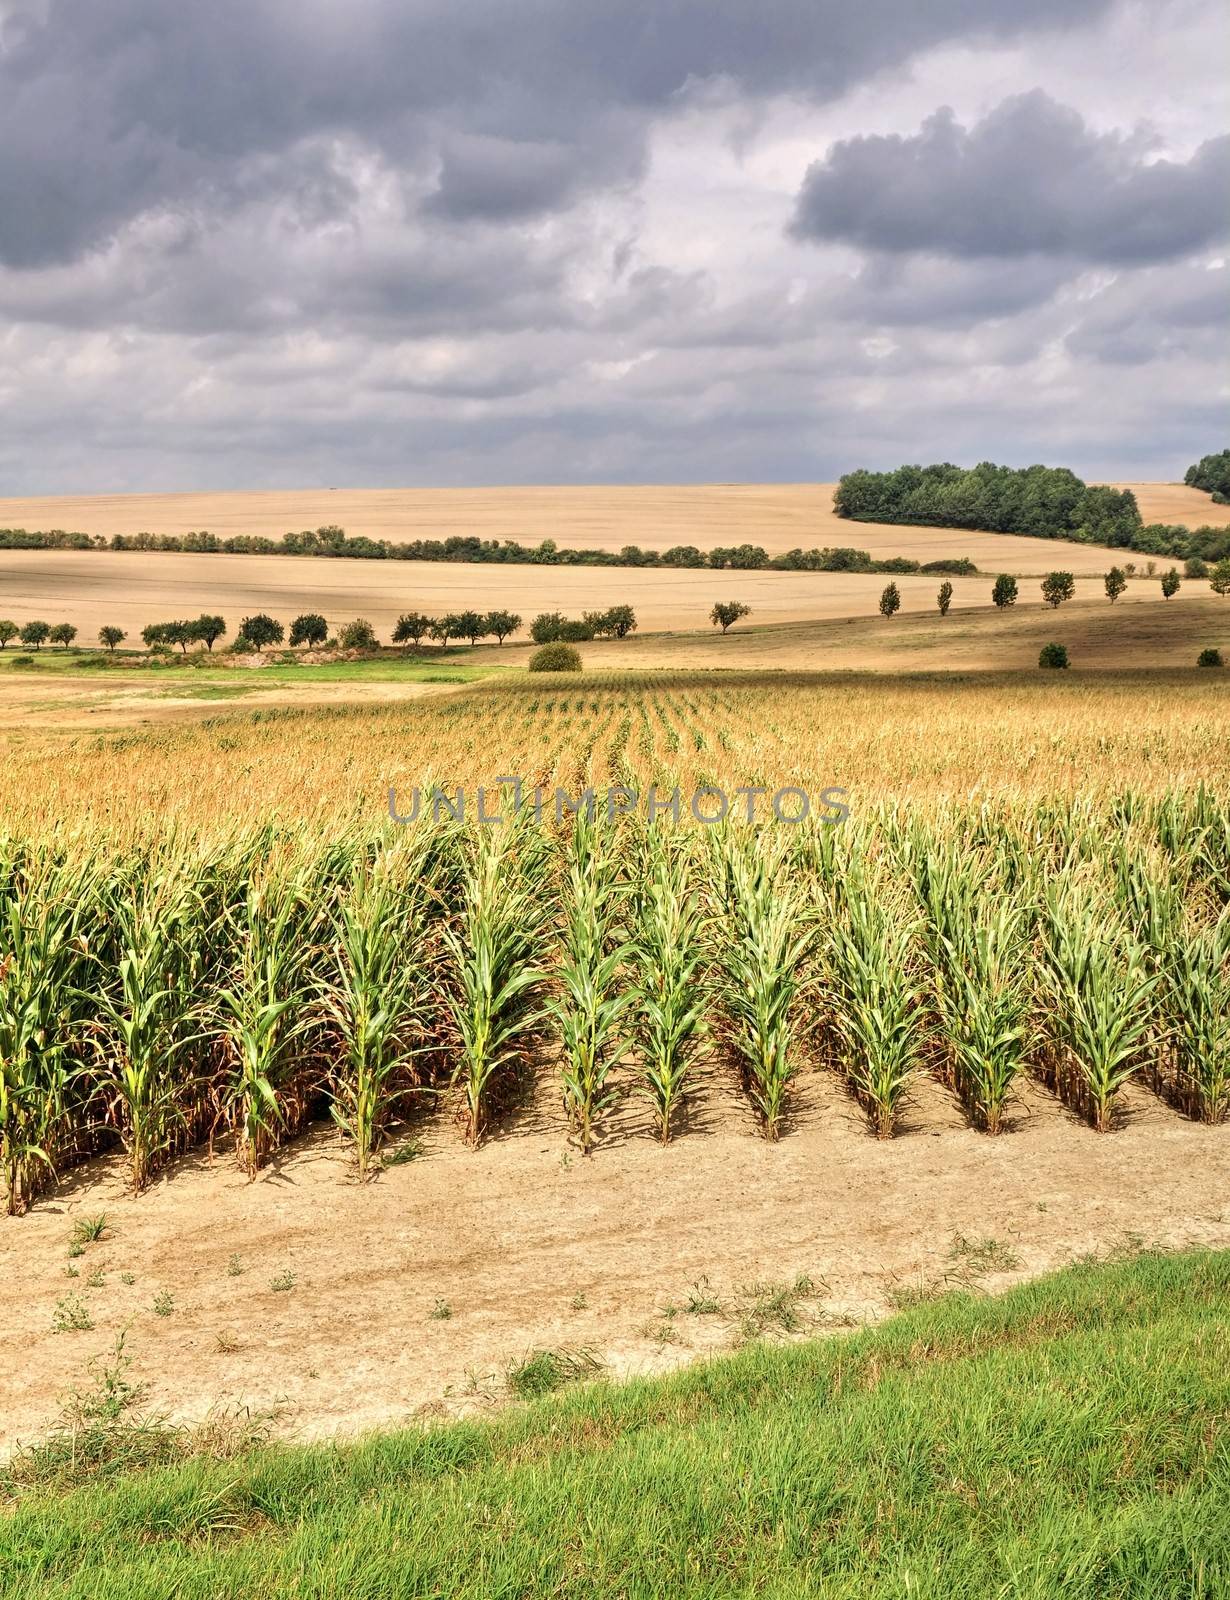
{"x": 557, "y": 657}
{"x": 358, "y": 635}
{"x": 1210, "y": 658}
{"x": 1053, "y": 655}
{"x": 573, "y": 632}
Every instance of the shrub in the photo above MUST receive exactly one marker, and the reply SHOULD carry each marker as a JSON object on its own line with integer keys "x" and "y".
{"x": 944, "y": 598}
{"x": 1210, "y": 658}
{"x": 1053, "y": 655}
{"x": 557, "y": 657}
{"x": 573, "y": 632}
{"x": 358, "y": 635}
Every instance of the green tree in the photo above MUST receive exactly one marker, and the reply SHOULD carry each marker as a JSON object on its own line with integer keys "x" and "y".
{"x": 179, "y": 633}
{"x": 153, "y": 633}
{"x": 890, "y": 600}
{"x": 1219, "y": 577}
{"x": 358, "y": 635}
{"x": 501, "y": 624}
{"x": 944, "y": 598}
{"x": 207, "y": 630}
{"x": 471, "y": 625}
{"x": 1209, "y": 657}
{"x": 545, "y": 627}
{"x": 1116, "y": 583}
{"x": 1170, "y": 582}
{"x": 445, "y": 628}
{"x": 1053, "y": 655}
{"x": 621, "y": 621}
{"x": 111, "y": 637}
{"x": 310, "y": 629}
{"x": 1005, "y": 591}
{"x": 260, "y": 630}
{"x": 35, "y": 633}
{"x": 63, "y": 634}
{"x": 411, "y": 628}
{"x": 8, "y": 630}
{"x": 727, "y": 612}
{"x": 1058, "y": 587}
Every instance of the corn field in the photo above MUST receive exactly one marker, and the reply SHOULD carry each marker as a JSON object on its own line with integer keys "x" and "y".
{"x": 230, "y": 989}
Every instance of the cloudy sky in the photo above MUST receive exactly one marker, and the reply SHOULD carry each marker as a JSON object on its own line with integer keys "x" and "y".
{"x": 261, "y": 243}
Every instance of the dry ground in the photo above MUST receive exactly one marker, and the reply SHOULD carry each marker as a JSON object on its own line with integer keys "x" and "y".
{"x": 93, "y": 589}
{"x": 528, "y": 1244}
{"x": 655, "y": 516}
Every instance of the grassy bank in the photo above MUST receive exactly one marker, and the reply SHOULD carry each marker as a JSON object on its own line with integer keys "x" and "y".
{"x": 1068, "y": 1439}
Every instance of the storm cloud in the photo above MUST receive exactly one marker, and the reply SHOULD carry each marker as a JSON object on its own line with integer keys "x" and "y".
{"x": 1031, "y": 178}
{"x": 286, "y": 241}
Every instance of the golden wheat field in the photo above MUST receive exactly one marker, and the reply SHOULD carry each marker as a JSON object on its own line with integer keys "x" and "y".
{"x": 916, "y": 740}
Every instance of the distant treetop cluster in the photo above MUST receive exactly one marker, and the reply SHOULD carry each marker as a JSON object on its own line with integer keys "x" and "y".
{"x": 1212, "y": 474}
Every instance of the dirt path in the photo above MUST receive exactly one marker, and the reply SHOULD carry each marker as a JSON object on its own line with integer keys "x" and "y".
{"x": 528, "y": 1244}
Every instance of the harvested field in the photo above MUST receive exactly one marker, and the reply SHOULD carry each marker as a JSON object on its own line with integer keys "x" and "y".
{"x": 128, "y": 590}
{"x": 778, "y": 517}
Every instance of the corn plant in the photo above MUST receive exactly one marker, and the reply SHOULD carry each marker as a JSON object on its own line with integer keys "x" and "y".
{"x": 146, "y": 1011}
{"x": 491, "y": 978}
{"x": 585, "y": 1002}
{"x": 760, "y": 970}
{"x": 1197, "y": 988}
{"x": 264, "y": 1012}
{"x": 374, "y": 992}
{"x": 44, "y": 948}
{"x": 1101, "y": 996}
{"x": 874, "y": 995}
{"x": 670, "y": 996}
{"x": 981, "y": 969}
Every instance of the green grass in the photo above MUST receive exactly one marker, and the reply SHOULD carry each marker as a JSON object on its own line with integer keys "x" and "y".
{"x": 1067, "y": 1440}
{"x": 210, "y": 675}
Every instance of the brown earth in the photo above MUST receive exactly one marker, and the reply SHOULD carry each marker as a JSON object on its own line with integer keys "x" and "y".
{"x": 528, "y": 1244}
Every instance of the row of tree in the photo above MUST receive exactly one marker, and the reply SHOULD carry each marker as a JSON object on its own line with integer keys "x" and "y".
{"x": 334, "y": 542}
{"x": 1056, "y": 588}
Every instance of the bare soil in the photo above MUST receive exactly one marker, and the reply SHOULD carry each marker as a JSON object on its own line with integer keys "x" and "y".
{"x": 528, "y": 1244}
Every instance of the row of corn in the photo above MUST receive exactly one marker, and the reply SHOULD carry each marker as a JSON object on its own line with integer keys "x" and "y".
{"x": 230, "y": 991}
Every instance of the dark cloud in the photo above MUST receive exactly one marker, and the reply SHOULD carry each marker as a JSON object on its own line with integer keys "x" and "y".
{"x": 109, "y": 110}
{"x": 1031, "y": 177}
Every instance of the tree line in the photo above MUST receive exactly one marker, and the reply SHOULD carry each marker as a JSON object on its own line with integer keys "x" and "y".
{"x": 334, "y": 542}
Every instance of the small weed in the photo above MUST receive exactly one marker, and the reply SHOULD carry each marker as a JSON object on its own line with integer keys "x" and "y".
{"x": 129, "y": 1278}
{"x": 226, "y": 1343}
{"x": 702, "y": 1302}
{"x": 95, "y": 1279}
{"x": 234, "y": 1267}
{"x": 410, "y": 1151}
{"x": 75, "y": 1248}
{"x": 89, "y": 1230}
{"x": 71, "y": 1272}
{"x": 542, "y": 1371}
{"x": 441, "y": 1311}
{"x": 71, "y": 1315}
{"x": 284, "y": 1282}
{"x": 763, "y": 1308}
{"x": 164, "y": 1303}
{"x": 578, "y": 1302}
